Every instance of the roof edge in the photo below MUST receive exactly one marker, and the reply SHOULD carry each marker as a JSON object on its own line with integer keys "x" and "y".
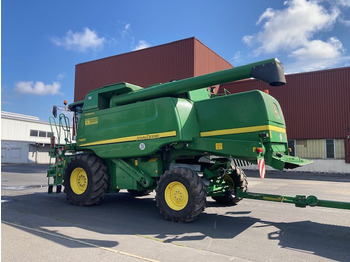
{"x": 21, "y": 117}
{"x": 211, "y": 50}
{"x": 321, "y": 71}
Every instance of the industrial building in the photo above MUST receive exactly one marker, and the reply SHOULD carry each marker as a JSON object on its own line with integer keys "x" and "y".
{"x": 316, "y": 105}
{"x": 24, "y": 139}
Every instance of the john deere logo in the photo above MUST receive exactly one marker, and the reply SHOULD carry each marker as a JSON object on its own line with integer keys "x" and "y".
{"x": 275, "y": 110}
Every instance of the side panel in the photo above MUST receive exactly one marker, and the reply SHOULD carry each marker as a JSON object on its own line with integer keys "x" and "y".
{"x": 134, "y": 174}
{"x": 247, "y": 109}
{"x": 232, "y": 125}
{"x": 137, "y": 129}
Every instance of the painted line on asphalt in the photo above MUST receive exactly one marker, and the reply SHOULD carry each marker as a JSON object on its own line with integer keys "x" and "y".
{"x": 79, "y": 241}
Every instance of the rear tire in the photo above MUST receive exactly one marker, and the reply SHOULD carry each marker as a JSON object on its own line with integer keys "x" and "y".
{"x": 86, "y": 180}
{"x": 237, "y": 179}
{"x": 180, "y": 195}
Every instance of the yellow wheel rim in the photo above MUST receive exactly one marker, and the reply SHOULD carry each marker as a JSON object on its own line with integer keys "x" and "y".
{"x": 176, "y": 196}
{"x": 228, "y": 179}
{"x": 78, "y": 181}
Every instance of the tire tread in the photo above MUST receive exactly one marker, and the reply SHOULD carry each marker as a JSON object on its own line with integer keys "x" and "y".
{"x": 97, "y": 184}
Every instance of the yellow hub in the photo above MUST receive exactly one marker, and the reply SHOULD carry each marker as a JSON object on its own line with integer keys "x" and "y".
{"x": 78, "y": 181}
{"x": 176, "y": 196}
{"x": 228, "y": 179}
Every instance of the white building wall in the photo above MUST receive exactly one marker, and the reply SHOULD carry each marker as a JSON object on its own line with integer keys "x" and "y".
{"x": 14, "y": 152}
{"x": 316, "y": 148}
{"x": 19, "y": 130}
{"x": 17, "y": 144}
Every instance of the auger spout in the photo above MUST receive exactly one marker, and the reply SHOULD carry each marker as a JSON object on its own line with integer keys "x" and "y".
{"x": 269, "y": 71}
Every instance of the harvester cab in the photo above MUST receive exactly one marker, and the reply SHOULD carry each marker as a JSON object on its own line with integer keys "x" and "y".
{"x": 175, "y": 139}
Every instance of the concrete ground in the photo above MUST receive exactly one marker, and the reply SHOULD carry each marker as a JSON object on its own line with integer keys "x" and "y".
{"x": 37, "y": 226}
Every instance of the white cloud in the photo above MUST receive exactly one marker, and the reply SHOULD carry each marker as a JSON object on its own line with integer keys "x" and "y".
{"x": 269, "y": 13}
{"x": 294, "y": 29}
{"x": 125, "y": 32}
{"x": 127, "y": 35}
{"x": 237, "y": 57}
{"x": 318, "y": 49}
{"x": 291, "y": 27}
{"x": 80, "y": 41}
{"x": 344, "y": 22}
{"x": 37, "y": 88}
{"x": 248, "y": 39}
{"x": 141, "y": 45}
{"x": 316, "y": 55}
{"x": 344, "y": 3}
{"x": 60, "y": 76}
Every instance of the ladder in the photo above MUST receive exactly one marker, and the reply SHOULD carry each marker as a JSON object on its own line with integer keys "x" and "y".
{"x": 62, "y": 130}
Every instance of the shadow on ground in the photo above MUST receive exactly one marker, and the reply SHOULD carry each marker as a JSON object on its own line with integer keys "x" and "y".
{"x": 124, "y": 215}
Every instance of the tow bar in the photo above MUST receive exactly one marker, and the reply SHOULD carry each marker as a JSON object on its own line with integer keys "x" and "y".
{"x": 298, "y": 200}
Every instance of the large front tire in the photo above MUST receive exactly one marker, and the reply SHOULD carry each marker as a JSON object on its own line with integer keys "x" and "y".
{"x": 86, "y": 180}
{"x": 180, "y": 195}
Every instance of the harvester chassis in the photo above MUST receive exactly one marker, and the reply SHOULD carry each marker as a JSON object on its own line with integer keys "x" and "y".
{"x": 174, "y": 138}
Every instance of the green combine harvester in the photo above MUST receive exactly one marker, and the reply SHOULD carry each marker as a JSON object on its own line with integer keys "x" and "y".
{"x": 174, "y": 138}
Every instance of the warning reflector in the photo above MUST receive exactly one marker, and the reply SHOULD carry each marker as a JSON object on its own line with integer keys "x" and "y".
{"x": 261, "y": 165}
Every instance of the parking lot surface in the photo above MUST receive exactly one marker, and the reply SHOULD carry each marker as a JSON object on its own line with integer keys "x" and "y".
{"x": 37, "y": 226}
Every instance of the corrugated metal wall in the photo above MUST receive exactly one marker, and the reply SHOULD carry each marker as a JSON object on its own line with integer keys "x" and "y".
{"x": 316, "y": 105}
{"x": 143, "y": 67}
{"x": 206, "y": 60}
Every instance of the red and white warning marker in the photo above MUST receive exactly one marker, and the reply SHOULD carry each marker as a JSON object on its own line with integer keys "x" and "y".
{"x": 261, "y": 165}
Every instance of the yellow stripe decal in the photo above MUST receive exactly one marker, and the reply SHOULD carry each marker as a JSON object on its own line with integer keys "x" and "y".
{"x": 132, "y": 138}
{"x": 242, "y": 130}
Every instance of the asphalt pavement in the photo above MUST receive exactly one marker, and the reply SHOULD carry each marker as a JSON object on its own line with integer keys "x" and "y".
{"x": 37, "y": 226}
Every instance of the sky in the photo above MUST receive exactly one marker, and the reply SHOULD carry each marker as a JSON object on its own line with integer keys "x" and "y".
{"x": 42, "y": 41}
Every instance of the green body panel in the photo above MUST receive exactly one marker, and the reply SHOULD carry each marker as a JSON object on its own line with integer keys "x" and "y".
{"x": 200, "y": 94}
{"x": 248, "y": 109}
{"x": 134, "y": 173}
{"x": 103, "y": 97}
{"x": 138, "y": 129}
{"x": 236, "y": 133}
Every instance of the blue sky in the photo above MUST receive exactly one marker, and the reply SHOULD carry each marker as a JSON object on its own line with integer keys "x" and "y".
{"x": 42, "y": 41}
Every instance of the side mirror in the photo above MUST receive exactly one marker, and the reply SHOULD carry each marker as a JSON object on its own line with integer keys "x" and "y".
{"x": 54, "y": 111}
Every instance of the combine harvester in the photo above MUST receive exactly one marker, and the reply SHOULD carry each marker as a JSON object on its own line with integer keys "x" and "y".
{"x": 174, "y": 138}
